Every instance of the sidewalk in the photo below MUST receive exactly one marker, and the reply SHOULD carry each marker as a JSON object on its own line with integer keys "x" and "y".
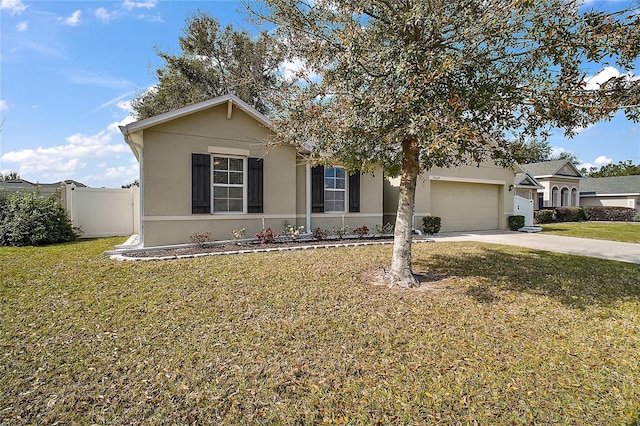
{"x": 611, "y": 250}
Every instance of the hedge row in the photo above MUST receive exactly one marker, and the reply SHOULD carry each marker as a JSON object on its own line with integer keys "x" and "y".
{"x": 576, "y": 214}
{"x": 30, "y": 220}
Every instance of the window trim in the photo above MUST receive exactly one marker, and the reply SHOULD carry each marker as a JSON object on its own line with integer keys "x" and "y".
{"x": 245, "y": 176}
{"x": 345, "y": 201}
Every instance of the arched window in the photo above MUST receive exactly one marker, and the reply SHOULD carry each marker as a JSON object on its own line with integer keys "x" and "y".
{"x": 564, "y": 201}
{"x": 575, "y": 198}
{"x": 555, "y": 197}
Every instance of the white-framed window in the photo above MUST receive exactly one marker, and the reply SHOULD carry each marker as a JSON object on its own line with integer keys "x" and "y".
{"x": 335, "y": 190}
{"x": 228, "y": 188}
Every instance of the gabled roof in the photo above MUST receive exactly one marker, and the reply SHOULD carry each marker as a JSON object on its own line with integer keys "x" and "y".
{"x": 619, "y": 185}
{"x": 25, "y": 184}
{"x": 552, "y": 168}
{"x": 191, "y": 109}
{"x": 525, "y": 180}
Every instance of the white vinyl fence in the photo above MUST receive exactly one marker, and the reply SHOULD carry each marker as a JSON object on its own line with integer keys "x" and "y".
{"x": 102, "y": 212}
{"x": 524, "y": 207}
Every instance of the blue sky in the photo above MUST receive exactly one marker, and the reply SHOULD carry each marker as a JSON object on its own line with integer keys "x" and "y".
{"x": 69, "y": 68}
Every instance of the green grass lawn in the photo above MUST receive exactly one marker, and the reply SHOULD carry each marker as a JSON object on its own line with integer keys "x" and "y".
{"x": 623, "y": 232}
{"x": 503, "y": 335}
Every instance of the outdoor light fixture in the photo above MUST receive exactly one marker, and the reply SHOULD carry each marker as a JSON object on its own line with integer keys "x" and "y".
{"x": 511, "y": 187}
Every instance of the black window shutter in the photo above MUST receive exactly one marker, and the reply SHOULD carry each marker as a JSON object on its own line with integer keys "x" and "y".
{"x": 200, "y": 183}
{"x": 255, "y": 186}
{"x": 354, "y": 192}
{"x": 317, "y": 189}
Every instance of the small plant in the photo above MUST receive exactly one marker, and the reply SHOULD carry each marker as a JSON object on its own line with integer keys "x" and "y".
{"x": 362, "y": 231}
{"x": 293, "y": 232}
{"x": 340, "y": 232}
{"x": 431, "y": 224}
{"x": 320, "y": 234}
{"x": 267, "y": 236}
{"x": 385, "y": 229}
{"x": 516, "y": 222}
{"x": 237, "y": 234}
{"x": 200, "y": 238}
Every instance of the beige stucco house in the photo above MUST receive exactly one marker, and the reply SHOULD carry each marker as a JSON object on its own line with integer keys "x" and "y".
{"x": 466, "y": 198}
{"x": 560, "y": 181}
{"x": 204, "y": 168}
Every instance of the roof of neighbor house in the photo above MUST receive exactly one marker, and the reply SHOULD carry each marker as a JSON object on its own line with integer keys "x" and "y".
{"x": 552, "y": 168}
{"x": 525, "y": 180}
{"x": 25, "y": 184}
{"x": 627, "y": 185}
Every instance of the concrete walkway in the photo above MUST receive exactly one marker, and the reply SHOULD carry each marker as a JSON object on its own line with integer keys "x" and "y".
{"x": 611, "y": 250}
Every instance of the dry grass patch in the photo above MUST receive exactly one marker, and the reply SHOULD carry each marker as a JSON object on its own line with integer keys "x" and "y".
{"x": 513, "y": 337}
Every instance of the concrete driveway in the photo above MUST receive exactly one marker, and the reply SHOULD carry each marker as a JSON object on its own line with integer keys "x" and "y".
{"x": 611, "y": 250}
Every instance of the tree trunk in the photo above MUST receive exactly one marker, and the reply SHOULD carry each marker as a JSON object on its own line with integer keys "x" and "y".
{"x": 400, "y": 272}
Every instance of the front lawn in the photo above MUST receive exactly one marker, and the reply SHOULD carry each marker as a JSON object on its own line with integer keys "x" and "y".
{"x": 502, "y": 335}
{"x": 623, "y": 232}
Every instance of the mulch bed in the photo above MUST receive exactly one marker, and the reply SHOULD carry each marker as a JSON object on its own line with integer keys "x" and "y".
{"x": 196, "y": 250}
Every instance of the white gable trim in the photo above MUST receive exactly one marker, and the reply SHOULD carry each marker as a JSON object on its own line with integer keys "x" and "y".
{"x": 181, "y": 112}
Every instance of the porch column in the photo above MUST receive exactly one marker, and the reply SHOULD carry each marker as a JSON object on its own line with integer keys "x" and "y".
{"x": 308, "y": 196}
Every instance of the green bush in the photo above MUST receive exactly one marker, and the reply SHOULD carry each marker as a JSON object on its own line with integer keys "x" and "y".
{"x": 431, "y": 225}
{"x": 543, "y": 216}
{"x": 516, "y": 222}
{"x": 607, "y": 213}
{"x": 569, "y": 214}
{"x": 29, "y": 220}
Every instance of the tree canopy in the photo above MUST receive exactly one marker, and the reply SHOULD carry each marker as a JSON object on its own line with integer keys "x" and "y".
{"x": 623, "y": 168}
{"x": 416, "y": 84}
{"x": 213, "y": 61}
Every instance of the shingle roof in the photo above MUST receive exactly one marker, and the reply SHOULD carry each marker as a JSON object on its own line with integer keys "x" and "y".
{"x": 526, "y": 180}
{"x": 611, "y": 185}
{"x": 548, "y": 168}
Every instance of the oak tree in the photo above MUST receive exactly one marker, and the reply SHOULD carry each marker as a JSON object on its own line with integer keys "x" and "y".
{"x": 413, "y": 84}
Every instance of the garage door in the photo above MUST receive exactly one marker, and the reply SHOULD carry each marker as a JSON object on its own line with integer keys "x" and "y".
{"x": 465, "y": 206}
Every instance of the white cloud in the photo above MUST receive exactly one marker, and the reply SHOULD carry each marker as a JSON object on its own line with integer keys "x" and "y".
{"x": 61, "y": 161}
{"x": 557, "y": 150}
{"x": 293, "y": 70}
{"x": 73, "y": 20}
{"x": 104, "y": 15}
{"x": 22, "y": 26}
{"x": 99, "y": 80}
{"x": 602, "y": 160}
{"x": 595, "y": 81}
{"x": 3, "y": 105}
{"x": 148, "y": 4}
{"x": 14, "y": 6}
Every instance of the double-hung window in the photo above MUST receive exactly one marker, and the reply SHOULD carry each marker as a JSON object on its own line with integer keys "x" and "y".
{"x": 229, "y": 189}
{"x": 335, "y": 190}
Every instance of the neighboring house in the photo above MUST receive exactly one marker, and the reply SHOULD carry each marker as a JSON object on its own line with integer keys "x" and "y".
{"x": 466, "y": 198}
{"x": 205, "y": 168}
{"x": 560, "y": 181}
{"x": 526, "y": 189}
{"x": 619, "y": 191}
{"x": 46, "y": 189}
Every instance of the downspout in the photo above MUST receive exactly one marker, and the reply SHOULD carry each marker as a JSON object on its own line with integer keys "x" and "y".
{"x": 308, "y": 196}
{"x": 140, "y": 149}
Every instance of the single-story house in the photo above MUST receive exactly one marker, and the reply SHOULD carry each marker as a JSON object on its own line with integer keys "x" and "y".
{"x": 466, "y": 198}
{"x": 205, "y": 168}
{"x": 618, "y": 191}
{"x": 560, "y": 181}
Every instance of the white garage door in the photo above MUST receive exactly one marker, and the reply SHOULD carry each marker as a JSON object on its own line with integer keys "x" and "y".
{"x": 465, "y": 206}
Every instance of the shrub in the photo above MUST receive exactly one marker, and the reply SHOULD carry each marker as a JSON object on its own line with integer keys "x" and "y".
{"x": 267, "y": 235}
{"x": 387, "y": 228}
{"x": 293, "y": 232}
{"x": 543, "y": 216}
{"x": 200, "y": 238}
{"x": 237, "y": 234}
{"x": 431, "y": 224}
{"x": 516, "y": 222}
{"x": 605, "y": 213}
{"x": 340, "y": 232}
{"x": 568, "y": 214}
{"x": 362, "y": 231}
{"x": 29, "y": 220}
{"x": 320, "y": 234}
